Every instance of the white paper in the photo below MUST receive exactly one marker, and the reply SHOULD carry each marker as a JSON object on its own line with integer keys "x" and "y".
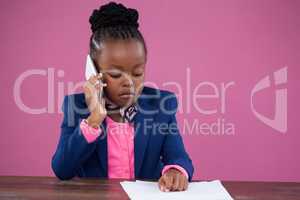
{"x": 212, "y": 190}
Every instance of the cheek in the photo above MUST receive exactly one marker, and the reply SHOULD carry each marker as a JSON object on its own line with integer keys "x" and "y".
{"x": 138, "y": 84}
{"x": 112, "y": 86}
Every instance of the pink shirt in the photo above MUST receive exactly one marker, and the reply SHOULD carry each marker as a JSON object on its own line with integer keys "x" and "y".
{"x": 120, "y": 142}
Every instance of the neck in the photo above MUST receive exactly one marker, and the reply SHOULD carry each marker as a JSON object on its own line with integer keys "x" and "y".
{"x": 117, "y": 117}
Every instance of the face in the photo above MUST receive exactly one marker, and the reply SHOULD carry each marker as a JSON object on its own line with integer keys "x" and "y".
{"x": 123, "y": 65}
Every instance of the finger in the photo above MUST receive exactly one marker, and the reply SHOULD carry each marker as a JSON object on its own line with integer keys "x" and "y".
{"x": 100, "y": 75}
{"x": 161, "y": 184}
{"x": 88, "y": 91}
{"x": 186, "y": 184}
{"x": 100, "y": 92}
{"x": 103, "y": 101}
{"x": 181, "y": 183}
{"x": 176, "y": 181}
{"x": 169, "y": 182}
{"x": 93, "y": 79}
{"x": 96, "y": 80}
{"x": 164, "y": 184}
{"x": 100, "y": 85}
{"x": 103, "y": 109}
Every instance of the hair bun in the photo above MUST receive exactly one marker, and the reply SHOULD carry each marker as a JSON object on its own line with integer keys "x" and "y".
{"x": 113, "y": 14}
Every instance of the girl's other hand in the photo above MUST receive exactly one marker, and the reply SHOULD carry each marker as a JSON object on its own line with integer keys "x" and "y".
{"x": 173, "y": 180}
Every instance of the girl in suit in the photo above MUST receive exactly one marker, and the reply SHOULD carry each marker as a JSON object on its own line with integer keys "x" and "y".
{"x": 119, "y": 128}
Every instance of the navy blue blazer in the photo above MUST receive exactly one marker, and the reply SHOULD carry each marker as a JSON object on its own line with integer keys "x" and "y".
{"x": 157, "y": 140}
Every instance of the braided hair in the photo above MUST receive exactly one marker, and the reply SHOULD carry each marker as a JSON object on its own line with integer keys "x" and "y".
{"x": 113, "y": 21}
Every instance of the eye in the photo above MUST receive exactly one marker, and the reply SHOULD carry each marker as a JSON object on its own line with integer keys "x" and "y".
{"x": 138, "y": 74}
{"x": 115, "y": 75}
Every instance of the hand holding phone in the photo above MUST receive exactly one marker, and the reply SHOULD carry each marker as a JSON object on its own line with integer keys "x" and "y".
{"x": 93, "y": 91}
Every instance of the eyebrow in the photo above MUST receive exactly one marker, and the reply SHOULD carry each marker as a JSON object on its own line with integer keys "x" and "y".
{"x": 122, "y": 67}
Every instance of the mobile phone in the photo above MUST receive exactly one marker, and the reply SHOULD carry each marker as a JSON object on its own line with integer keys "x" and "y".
{"x": 90, "y": 70}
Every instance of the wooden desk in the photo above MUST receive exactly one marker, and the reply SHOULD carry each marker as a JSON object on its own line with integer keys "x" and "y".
{"x": 51, "y": 188}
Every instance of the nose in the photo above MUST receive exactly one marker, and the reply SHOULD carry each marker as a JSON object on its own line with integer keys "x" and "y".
{"x": 127, "y": 81}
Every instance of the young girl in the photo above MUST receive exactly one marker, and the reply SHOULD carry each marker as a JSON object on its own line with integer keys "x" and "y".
{"x": 119, "y": 128}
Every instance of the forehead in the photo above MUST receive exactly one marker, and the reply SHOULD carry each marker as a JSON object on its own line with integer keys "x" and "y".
{"x": 122, "y": 52}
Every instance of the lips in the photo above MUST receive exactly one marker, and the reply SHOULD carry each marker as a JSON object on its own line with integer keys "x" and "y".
{"x": 127, "y": 95}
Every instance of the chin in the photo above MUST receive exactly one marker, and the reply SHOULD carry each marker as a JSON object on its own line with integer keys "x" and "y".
{"x": 126, "y": 101}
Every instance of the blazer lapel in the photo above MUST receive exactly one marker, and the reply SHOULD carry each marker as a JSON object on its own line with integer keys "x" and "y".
{"x": 143, "y": 128}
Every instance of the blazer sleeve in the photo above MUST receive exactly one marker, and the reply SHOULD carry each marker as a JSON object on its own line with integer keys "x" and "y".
{"x": 173, "y": 152}
{"x": 72, "y": 149}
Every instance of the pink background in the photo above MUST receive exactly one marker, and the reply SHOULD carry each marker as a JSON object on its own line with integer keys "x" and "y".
{"x": 220, "y": 41}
